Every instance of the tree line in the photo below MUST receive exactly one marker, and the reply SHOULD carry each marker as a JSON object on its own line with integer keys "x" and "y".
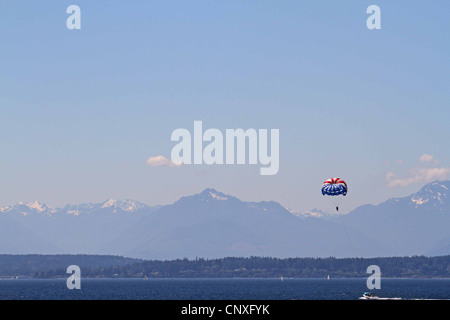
{"x": 96, "y": 266}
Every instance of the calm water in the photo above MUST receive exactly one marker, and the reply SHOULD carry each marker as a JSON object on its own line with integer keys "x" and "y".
{"x": 218, "y": 289}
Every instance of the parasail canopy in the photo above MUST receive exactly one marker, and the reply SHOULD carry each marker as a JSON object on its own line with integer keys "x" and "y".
{"x": 334, "y": 187}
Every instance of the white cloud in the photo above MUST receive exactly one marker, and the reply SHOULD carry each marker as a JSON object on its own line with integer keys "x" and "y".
{"x": 418, "y": 175}
{"x": 161, "y": 161}
{"x": 427, "y": 158}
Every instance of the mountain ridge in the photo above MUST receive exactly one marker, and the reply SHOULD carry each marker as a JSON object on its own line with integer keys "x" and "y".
{"x": 35, "y": 206}
{"x": 212, "y": 224}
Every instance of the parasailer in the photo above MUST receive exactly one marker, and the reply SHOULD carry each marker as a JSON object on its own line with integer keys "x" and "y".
{"x": 334, "y": 187}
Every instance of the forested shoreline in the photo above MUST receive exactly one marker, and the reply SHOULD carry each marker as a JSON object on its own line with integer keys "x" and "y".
{"x": 97, "y": 266}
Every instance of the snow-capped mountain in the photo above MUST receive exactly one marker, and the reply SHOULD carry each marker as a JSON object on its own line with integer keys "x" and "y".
{"x": 433, "y": 195}
{"x": 80, "y": 228}
{"x": 212, "y": 195}
{"x": 314, "y": 213}
{"x": 110, "y": 205}
{"x": 29, "y": 208}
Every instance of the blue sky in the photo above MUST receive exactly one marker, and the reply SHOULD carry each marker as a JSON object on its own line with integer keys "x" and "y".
{"x": 81, "y": 111}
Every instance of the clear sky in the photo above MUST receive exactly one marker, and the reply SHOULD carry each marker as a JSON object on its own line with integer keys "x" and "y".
{"x": 81, "y": 111}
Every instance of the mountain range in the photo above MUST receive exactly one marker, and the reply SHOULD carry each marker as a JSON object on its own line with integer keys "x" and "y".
{"x": 82, "y": 228}
{"x": 212, "y": 224}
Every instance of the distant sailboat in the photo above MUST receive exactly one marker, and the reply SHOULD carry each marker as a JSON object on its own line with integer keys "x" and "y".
{"x": 282, "y": 279}
{"x": 328, "y": 277}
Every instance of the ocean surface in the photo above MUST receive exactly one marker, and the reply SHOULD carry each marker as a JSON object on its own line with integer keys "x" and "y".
{"x": 221, "y": 289}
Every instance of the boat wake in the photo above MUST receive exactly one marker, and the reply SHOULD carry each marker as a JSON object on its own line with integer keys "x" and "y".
{"x": 378, "y": 298}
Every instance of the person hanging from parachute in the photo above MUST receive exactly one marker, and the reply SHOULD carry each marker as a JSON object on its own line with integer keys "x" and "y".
{"x": 334, "y": 187}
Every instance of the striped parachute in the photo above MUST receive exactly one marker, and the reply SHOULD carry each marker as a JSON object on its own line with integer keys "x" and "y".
{"x": 334, "y": 187}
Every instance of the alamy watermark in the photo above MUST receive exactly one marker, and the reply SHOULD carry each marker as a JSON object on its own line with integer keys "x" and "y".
{"x": 73, "y": 22}
{"x": 374, "y": 20}
{"x": 74, "y": 281}
{"x": 374, "y": 281}
{"x": 236, "y": 146}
